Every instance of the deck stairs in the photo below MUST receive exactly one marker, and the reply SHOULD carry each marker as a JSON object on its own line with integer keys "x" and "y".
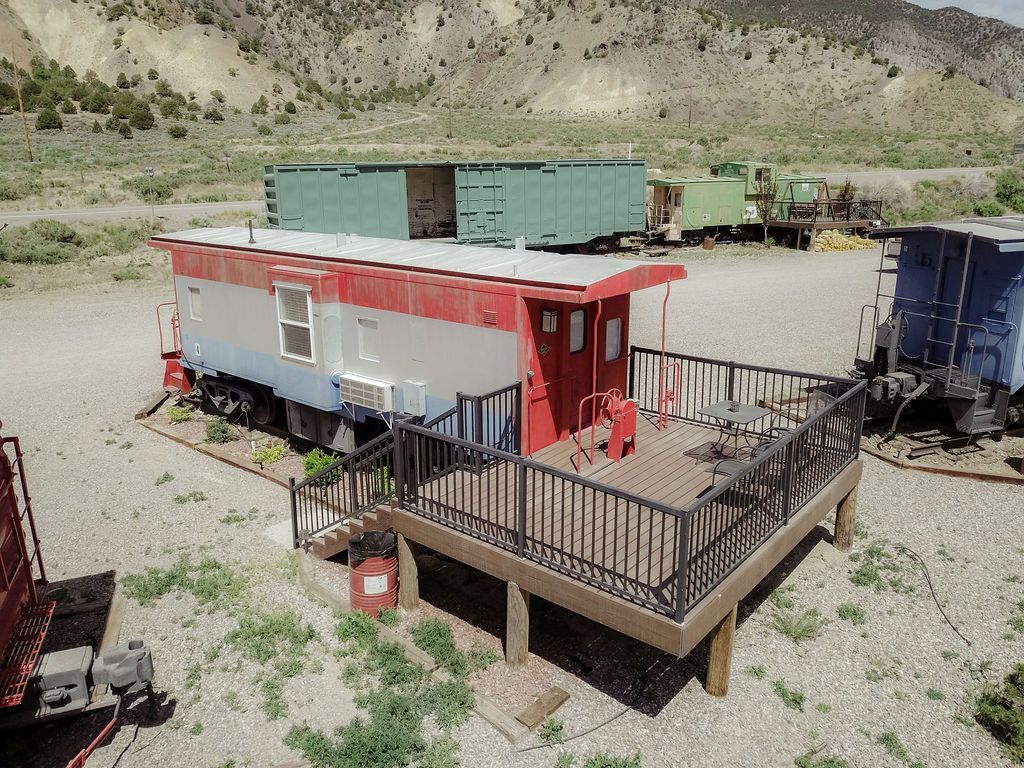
{"x": 335, "y": 540}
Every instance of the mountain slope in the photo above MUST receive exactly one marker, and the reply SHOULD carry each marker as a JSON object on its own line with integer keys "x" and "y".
{"x": 632, "y": 58}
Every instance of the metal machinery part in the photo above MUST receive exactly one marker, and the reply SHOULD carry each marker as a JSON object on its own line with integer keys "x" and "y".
{"x": 61, "y": 681}
{"x": 234, "y": 397}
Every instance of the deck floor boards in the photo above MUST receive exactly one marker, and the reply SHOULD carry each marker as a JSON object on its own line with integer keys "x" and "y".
{"x": 575, "y": 527}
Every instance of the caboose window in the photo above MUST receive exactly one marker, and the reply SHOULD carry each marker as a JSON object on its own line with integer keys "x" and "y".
{"x": 613, "y": 339}
{"x": 294, "y": 314}
{"x": 369, "y": 345}
{"x": 577, "y": 330}
{"x": 195, "y": 304}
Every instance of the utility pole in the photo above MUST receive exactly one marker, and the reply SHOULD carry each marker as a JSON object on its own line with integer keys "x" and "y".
{"x": 21, "y": 106}
{"x": 150, "y": 173}
{"x": 689, "y": 111}
{"x": 451, "y": 76}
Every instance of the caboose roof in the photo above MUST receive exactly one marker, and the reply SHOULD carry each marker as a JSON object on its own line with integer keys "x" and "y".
{"x": 1006, "y": 232}
{"x": 592, "y": 275}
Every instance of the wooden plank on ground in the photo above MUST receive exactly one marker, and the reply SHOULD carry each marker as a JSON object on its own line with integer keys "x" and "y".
{"x": 152, "y": 404}
{"x": 543, "y": 706}
{"x": 508, "y": 726}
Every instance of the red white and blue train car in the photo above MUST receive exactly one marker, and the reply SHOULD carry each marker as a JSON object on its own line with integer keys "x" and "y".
{"x": 336, "y": 335}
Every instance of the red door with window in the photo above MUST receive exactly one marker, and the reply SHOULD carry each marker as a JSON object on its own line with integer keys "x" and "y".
{"x": 561, "y": 359}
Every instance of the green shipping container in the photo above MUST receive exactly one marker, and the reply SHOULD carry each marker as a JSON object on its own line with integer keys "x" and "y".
{"x": 559, "y": 202}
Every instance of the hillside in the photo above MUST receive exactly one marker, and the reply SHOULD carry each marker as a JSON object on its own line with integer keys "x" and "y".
{"x": 982, "y": 48}
{"x": 583, "y": 58}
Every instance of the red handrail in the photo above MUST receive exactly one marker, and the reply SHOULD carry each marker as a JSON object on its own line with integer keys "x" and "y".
{"x": 175, "y": 330}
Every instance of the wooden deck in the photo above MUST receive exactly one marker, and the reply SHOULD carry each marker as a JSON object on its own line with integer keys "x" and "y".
{"x": 671, "y": 465}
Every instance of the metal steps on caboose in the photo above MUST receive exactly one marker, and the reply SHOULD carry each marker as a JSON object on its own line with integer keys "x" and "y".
{"x": 335, "y": 540}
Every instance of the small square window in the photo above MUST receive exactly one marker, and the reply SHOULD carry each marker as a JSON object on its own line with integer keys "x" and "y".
{"x": 548, "y": 320}
{"x": 195, "y": 304}
{"x": 577, "y": 330}
{"x": 369, "y": 343}
{"x": 613, "y": 339}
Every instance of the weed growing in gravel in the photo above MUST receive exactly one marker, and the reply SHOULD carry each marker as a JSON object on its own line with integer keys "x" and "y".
{"x": 273, "y": 704}
{"x": 442, "y": 753}
{"x": 179, "y": 414}
{"x": 802, "y": 626}
{"x": 196, "y": 729}
{"x": 881, "y": 670}
{"x": 193, "y": 676}
{"x": 790, "y": 697}
{"x": 565, "y": 760}
{"x": 166, "y": 477}
{"x": 781, "y": 598}
{"x": 234, "y": 517}
{"x": 388, "y": 617}
{"x": 852, "y": 613}
{"x": 604, "y": 760}
{"x": 1016, "y": 620}
{"x": 435, "y": 637}
{"x": 935, "y": 695}
{"x": 265, "y": 635}
{"x": 810, "y": 759}
{"x": 185, "y": 498}
{"x": 109, "y": 441}
{"x": 552, "y": 731}
{"x": 892, "y": 744}
{"x": 879, "y": 569}
{"x": 757, "y": 671}
{"x": 391, "y": 733}
{"x": 219, "y": 431}
{"x": 126, "y": 444}
{"x": 234, "y": 701}
{"x": 1000, "y": 710}
{"x": 269, "y": 453}
{"x": 824, "y": 708}
{"x": 212, "y": 583}
{"x": 950, "y": 655}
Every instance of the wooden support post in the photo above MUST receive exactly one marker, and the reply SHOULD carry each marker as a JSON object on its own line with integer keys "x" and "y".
{"x": 408, "y": 575}
{"x": 814, "y": 238}
{"x": 720, "y": 655}
{"x": 517, "y": 626}
{"x": 846, "y": 515}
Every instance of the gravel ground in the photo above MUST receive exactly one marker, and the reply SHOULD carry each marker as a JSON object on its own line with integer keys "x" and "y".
{"x": 75, "y": 365}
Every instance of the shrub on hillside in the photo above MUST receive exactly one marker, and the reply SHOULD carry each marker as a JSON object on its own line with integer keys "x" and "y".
{"x": 125, "y": 130}
{"x": 289, "y": 107}
{"x": 989, "y": 208}
{"x": 1010, "y": 188}
{"x": 263, "y": 130}
{"x": 49, "y": 120}
{"x": 282, "y": 119}
{"x": 44, "y": 241}
{"x": 213, "y": 115}
{"x": 142, "y": 119}
{"x": 177, "y": 131}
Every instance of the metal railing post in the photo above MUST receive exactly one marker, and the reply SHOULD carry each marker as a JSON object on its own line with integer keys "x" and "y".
{"x": 632, "y": 371}
{"x": 400, "y": 465}
{"x": 790, "y": 475}
{"x": 521, "y": 521}
{"x": 682, "y": 574}
{"x": 731, "y": 386}
{"x": 353, "y": 488}
{"x": 518, "y": 428}
{"x": 295, "y": 513}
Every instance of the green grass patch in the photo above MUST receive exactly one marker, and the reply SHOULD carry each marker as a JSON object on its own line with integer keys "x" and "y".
{"x": 810, "y": 759}
{"x": 185, "y": 498}
{"x": 935, "y": 694}
{"x": 126, "y": 273}
{"x": 799, "y": 626}
{"x": 234, "y": 517}
{"x": 179, "y": 414}
{"x": 213, "y": 584}
{"x": 852, "y": 613}
{"x": 218, "y": 431}
{"x": 879, "y": 569}
{"x": 757, "y": 671}
{"x": 791, "y": 697}
{"x": 269, "y": 454}
{"x": 166, "y": 477}
{"x": 552, "y": 731}
{"x": 265, "y": 635}
{"x": 999, "y": 709}
{"x": 604, "y": 760}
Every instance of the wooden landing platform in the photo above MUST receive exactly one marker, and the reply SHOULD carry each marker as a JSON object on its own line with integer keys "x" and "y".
{"x": 671, "y": 466}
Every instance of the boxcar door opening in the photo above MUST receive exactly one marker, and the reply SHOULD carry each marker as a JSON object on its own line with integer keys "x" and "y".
{"x": 431, "y": 201}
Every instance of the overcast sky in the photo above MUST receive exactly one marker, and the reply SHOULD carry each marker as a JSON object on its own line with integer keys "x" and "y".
{"x": 1007, "y": 10}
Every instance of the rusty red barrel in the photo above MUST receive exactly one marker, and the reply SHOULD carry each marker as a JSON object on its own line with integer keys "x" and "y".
{"x": 373, "y": 572}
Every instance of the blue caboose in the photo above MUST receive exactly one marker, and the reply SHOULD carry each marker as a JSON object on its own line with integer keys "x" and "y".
{"x": 950, "y": 330}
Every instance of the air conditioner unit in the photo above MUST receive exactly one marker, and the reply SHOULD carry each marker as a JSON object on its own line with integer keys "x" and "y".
{"x": 369, "y": 393}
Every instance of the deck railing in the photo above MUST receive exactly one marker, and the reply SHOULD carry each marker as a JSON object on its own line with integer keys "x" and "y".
{"x": 346, "y": 488}
{"x": 360, "y": 480}
{"x": 622, "y": 543}
{"x": 650, "y": 553}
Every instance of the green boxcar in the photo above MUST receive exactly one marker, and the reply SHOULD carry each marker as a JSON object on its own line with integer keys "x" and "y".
{"x": 560, "y": 202}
